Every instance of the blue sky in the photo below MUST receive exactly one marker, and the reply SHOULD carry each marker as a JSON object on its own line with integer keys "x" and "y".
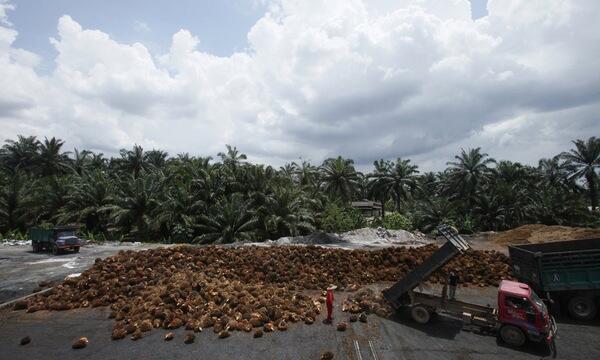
{"x": 221, "y": 25}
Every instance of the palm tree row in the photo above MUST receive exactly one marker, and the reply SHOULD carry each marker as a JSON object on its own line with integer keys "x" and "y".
{"x": 150, "y": 196}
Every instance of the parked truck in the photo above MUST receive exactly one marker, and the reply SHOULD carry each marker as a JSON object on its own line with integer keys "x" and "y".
{"x": 57, "y": 239}
{"x": 520, "y": 316}
{"x": 565, "y": 273}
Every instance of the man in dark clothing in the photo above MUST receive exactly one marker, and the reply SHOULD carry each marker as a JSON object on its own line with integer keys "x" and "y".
{"x": 453, "y": 281}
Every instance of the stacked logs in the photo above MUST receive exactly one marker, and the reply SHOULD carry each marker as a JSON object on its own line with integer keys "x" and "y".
{"x": 239, "y": 289}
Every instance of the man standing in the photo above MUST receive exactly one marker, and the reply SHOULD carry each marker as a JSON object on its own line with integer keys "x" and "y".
{"x": 453, "y": 283}
{"x": 329, "y": 303}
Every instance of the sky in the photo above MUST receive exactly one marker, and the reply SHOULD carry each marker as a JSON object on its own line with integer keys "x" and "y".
{"x": 285, "y": 80}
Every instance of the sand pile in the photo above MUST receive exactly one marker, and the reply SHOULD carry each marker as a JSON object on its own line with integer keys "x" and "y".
{"x": 537, "y": 233}
{"x": 241, "y": 288}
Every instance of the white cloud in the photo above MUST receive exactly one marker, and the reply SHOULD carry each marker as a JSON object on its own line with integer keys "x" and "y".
{"x": 363, "y": 79}
{"x": 4, "y": 7}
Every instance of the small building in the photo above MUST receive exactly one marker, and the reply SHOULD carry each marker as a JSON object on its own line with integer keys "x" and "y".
{"x": 368, "y": 208}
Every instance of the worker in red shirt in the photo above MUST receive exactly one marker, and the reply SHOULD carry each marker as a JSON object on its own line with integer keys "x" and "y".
{"x": 329, "y": 302}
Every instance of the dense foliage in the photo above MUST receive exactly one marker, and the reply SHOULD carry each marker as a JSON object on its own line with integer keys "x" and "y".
{"x": 147, "y": 195}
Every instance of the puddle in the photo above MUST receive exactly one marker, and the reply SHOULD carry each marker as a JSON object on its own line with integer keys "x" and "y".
{"x": 70, "y": 263}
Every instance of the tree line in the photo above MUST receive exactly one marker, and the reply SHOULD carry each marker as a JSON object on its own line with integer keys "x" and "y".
{"x": 151, "y": 196}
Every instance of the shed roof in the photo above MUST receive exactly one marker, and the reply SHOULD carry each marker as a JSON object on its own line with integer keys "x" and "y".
{"x": 366, "y": 204}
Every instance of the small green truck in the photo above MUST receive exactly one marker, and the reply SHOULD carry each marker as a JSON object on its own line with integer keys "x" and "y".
{"x": 566, "y": 273}
{"x": 57, "y": 239}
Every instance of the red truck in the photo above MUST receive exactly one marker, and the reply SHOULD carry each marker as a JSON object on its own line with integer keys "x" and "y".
{"x": 520, "y": 316}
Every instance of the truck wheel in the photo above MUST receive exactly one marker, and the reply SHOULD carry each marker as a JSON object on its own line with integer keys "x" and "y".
{"x": 35, "y": 247}
{"x": 512, "y": 335}
{"x": 582, "y": 308}
{"x": 420, "y": 314}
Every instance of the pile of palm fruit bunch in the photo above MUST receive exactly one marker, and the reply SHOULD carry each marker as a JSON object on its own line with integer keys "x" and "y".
{"x": 245, "y": 288}
{"x": 367, "y": 301}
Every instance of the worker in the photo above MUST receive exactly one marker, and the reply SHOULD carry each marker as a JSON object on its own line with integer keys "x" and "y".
{"x": 329, "y": 302}
{"x": 453, "y": 280}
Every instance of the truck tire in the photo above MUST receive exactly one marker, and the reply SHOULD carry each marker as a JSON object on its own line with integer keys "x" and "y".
{"x": 35, "y": 247}
{"x": 582, "y": 308}
{"x": 512, "y": 335}
{"x": 420, "y": 314}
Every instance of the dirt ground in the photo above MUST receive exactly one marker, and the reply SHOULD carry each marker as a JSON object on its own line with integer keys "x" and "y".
{"x": 537, "y": 233}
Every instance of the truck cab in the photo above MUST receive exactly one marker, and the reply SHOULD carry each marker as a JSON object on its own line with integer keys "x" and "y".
{"x": 523, "y": 315}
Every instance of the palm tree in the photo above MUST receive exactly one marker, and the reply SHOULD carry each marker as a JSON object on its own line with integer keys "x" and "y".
{"x": 399, "y": 178}
{"x": 133, "y": 161}
{"x": 436, "y": 211}
{"x": 51, "y": 197}
{"x": 489, "y": 211}
{"x": 230, "y": 220}
{"x": 157, "y": 158}
{"x": 307, "y": 174}
{"x": 51, "y": 160}
{"x": 340, "y": 179}
{"x": 468, "y": 173}
{"x": 98, "y": 161}
{"x": 134, "y": 205}
{"x": 585, "y": 162}
{"x": 21, "y": 154}
{"x": 232, "y": 157}
{"x": 15, "y": 212}
{"x": 88, "y": 201}
{"x": 379, "y": 188}
{"x": 289, "y": 170}
{"x": 285, "y": 213}
{"x": 80, "y": 161}
{"x": 180, "y": 210}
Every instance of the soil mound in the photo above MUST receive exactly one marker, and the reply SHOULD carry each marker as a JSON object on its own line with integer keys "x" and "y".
{"x": 537, "y": 233}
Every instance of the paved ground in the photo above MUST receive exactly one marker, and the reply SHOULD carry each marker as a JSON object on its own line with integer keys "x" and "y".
{"x": 395, "y": 338}
{"x": 21, "y": 270}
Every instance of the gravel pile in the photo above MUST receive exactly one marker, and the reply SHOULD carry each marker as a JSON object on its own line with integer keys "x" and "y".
{"x": 364, "y": 238}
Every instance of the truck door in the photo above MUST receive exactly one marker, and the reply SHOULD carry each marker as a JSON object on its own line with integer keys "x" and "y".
{"x": 520, "y": 312}
{"x": 519, "y": 309}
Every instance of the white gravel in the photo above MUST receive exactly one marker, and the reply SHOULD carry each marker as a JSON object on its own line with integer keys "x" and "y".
{"x": 10, "y": 242}
{"x": 355, "y": 239}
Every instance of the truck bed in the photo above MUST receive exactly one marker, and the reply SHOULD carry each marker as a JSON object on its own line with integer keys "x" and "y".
{"x": 397, "y": 294}
{"x": 558, "y": 266}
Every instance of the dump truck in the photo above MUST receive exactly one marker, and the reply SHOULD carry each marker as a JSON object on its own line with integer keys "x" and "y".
{"x": 56, "y": 239}
{"x": 520, "y": 316}
{"x": 565, "y": 273}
